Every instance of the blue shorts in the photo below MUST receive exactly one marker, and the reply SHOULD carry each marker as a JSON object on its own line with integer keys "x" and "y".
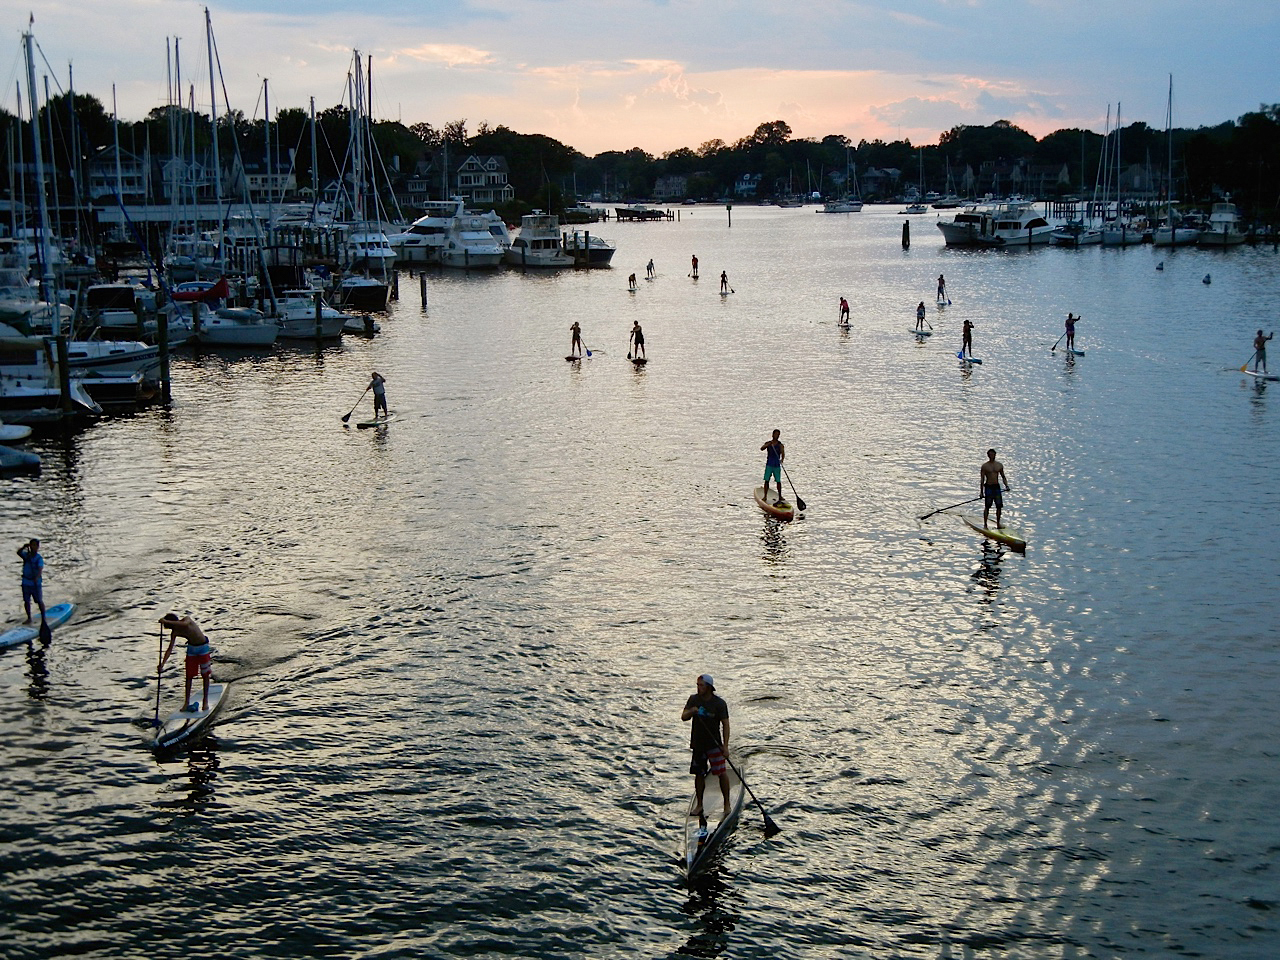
{"x": 774, "y": 471}
{"x": 991, "y": 493}
{"x": 33, "y": 591}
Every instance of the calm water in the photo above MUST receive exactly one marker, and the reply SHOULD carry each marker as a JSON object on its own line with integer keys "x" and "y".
{"x": 460, "y": 645}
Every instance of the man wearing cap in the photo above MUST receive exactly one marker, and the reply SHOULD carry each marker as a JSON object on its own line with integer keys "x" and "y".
{"x": 709, "y": 737}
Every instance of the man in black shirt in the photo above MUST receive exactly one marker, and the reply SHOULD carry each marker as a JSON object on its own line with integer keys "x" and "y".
{"x": 709, "y": 737}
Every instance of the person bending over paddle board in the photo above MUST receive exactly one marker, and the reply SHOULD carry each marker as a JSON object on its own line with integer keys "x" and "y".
{"x": 1071, "y": 331}
{"x": 33, "y": 575}
{"x": 776, "y": 452}
{"x": 1259, "y": 362}
{"x": 575, "y": 344}
{"x": 199, "y": 658}
{"x": 708, "y": 739}
{"x": 379, "y": 387}
{"x": 966, "y": 341}
{"x": 920, "y": 315}
{"x": 992, "y": 474}
{"x": 637, "y": 338}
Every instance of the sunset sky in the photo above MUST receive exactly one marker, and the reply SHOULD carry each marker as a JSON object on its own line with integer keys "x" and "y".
{"x": 614, "y": 74}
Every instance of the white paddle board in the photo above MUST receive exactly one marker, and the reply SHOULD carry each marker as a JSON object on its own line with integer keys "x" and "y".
{"x": 920, "y": 333}
{"x": 184, "y": 726}
{"x": 377, "y": 421}
{"x": 55, "y": 616}
{"x": 1261, "y": 376}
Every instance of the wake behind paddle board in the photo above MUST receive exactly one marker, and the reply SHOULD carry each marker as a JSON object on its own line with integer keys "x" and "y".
{"x": 771, "y": 504}
{"x": 184, "y": 726}
{"x": 377, "y": 421}
{"x": 1010, "y": 536}
{"x": 55, "y": 616}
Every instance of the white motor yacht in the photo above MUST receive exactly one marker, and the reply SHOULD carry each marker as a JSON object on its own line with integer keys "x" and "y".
{"x": 469, "y": 244}
{"x": 425, "y": 237}
{"x": 1223, "y": 228}
{"x": 537, "y": 244}
{"x": 297, "y": 317}
{"x": 1009, "y": 223}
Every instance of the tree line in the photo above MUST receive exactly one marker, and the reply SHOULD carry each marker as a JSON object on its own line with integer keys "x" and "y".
{"x": 1240, "y": 158}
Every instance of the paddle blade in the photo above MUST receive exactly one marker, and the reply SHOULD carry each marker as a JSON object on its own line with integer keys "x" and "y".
{"x": 45, "y": 633}
{"x": 771, "y": 829}
{"x": 800, "y": 503}
{"x": 346, "y": 417}
{"x": 588, "y": 352}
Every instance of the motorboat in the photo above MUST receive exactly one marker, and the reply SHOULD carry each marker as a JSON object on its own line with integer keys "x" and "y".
{"x": 1223, "y": 228}
{"x": 470, "y": 244}
{"x": 423, "y": 240}
{"x": 1008, "y": 223}
{"x": 537, "y": 244}
{"x": 915, "y": 208}
{"x": 1075, "y": 233}
{"x": 29, "y": 382}
{"x": 108, "y": 358}
{"x": 366, "y": 247}
{"x": 297, "y": 316}
{"x": 1177, "y": 232}
{"x": 587, "y": 249}
{"x": 357, "y": 291}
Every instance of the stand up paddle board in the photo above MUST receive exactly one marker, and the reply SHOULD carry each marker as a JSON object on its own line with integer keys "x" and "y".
{"x": 573, "y": 358}
{"x": 1260, "y": 375}
{"x": 845, "y": 326}
{"x": 377, "y": 421}
{"x": 774, "y": 506}
{"x": 706, "y": 831}
{"x": 1010, "y": 536}
{"x": 963, "y": 359}
{"x": 920, "y": 333}
{"x": 725, "y": 293}
{"x": 55, "y": 616}
{"x": 639, "y": 361}
{"x": 10, "y": 432}
{"x": 184, "y": 726}
{"x": 1071, "y": 350}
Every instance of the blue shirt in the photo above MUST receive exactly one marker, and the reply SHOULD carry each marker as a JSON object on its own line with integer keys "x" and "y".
{"x": 32, "y": 569}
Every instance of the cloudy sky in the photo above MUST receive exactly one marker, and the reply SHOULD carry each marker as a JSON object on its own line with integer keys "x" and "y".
{"x": 663, "y": 74}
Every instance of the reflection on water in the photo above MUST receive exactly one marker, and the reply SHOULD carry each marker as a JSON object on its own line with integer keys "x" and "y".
{"x": 458, "y": 638}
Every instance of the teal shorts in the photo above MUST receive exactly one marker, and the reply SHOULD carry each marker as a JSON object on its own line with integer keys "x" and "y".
{"x": 774, "y": 471}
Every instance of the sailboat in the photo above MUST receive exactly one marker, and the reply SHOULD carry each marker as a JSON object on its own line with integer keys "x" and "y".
{"x": 918, "y": 206}
{"x": 1171, "y": 233}
{"x": 850, "y": 202}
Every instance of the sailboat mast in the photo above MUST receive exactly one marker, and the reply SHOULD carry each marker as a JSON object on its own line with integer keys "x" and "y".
{"x": 47, "y": 291}
{"x": 213, "y": 117}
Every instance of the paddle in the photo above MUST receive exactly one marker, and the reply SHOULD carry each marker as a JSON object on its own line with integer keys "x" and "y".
{"x": 799, "y": 502}
{"x": 353, "y": 409}
{"x": 159, "y": 666}
{"x": 771, "y": 829}
{"x": 46, "y": 635}
{"x": 1245, "y": 368}
{"x": 952, "y": 507}
{"x": 1056, "y": 342}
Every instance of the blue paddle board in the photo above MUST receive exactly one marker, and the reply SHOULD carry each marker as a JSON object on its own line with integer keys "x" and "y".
{"x": 920, "y": 333}
{"x": 963, "y": 359}
{"x": 56, "y": 616}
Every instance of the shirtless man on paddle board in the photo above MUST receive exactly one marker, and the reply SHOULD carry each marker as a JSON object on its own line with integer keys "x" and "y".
{"x": 992, "y": 475}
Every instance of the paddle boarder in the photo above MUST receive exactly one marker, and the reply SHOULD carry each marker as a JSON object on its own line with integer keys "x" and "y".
{"x": 631, "y": 282}
{"x": 199, "y": 658}
{"x": 775, "y": 453}
{"x": 966, "y": 341}
{"x": 724, "y": 281}
{"x": 649, "y": 271}
{"x": 844, "y": 312}
{"x": 1071, "y": 331}
{"x": 33, "y": 575}
{"x": 992, "y": 475}
{"x": 942, "y": 289}
{"x": 575, "y": 344}
{"x": 637, "y": 339}
{"x": 379, "y": 387}
{"x": 1259, "y": 355}
{"x": 708, "y": 738}
{"x": 920, "y": 316}
{"x": 694, "y": 272}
